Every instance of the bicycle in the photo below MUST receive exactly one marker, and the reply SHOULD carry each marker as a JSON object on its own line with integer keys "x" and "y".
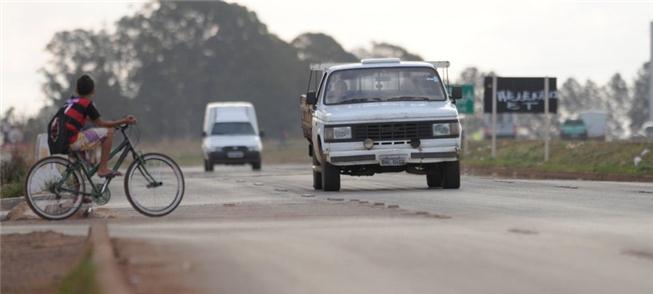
{"x": 55, "y": 185}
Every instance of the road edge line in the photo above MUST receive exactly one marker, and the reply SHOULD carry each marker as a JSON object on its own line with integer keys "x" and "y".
{"x": 108, "y": 275}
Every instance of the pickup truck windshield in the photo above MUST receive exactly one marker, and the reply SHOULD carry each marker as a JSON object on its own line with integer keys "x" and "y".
{"x": 383, "y": 84}
{"x": 232, "y": 129}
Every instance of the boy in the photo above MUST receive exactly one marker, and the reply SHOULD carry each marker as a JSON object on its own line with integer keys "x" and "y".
{"x": 78, "y": 108}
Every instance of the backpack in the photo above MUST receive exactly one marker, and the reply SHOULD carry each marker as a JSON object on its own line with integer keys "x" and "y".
{"x": 58, "y": 133}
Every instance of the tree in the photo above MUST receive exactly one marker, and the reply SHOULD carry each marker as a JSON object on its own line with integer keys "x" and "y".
{"x": 76, "y": 52}
{"x": 571, "y": 99}
{"x": 168, "y": 60}
{"x": 639, "y": 110}
{"x": 386, "y": 50}
{"x": 617, "y": 100}
{"x": 593, "y": 96}
{"x": 318, "y": 47}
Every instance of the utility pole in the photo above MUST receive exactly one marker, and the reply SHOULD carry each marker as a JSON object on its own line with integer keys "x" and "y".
{"x": 650, "y": 80}
{"x": 547, "y": 119}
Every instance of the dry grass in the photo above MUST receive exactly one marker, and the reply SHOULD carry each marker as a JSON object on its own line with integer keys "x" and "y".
{"x": 565, "y": 156}
{"x": 188, "y": 152}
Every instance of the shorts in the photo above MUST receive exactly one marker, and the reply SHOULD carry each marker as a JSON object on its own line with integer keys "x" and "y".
{"x": 89, "y": 139}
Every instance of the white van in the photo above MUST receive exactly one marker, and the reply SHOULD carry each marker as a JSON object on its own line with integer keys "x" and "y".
{"x": 231, "y": 135}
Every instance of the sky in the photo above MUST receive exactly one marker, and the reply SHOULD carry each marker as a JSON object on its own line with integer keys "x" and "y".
{"x": 575, "y": 38}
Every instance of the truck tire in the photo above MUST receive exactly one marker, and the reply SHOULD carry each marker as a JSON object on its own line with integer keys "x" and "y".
{"x": 317, "y": 176}
{"x": 208, "y": 166}
{"x": 434, "y": 176}
{"x": 451, "y": 172}
{"x": 256, "y": 165}
{"x": 330, "y": 177}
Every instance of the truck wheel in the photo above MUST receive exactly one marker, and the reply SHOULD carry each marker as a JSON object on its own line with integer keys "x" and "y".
{"x": 256, "y": 165}
{"x": 434, "y": 177}
{"x": 317, "y": 180}
{"x": 208, "y": 166}
{"x": 451, "y": 175}
{"x": 330, "y": 177}
{"x": 317, "y": 176}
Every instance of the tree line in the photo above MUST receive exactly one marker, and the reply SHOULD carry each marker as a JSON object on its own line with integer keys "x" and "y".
{"x": 167, "y": 60}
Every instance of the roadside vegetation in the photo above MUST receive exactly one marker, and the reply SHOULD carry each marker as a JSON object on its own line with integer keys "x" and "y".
{"x": 565, "y": 156}
{"x": 80, "y": 279}
{"x": 13, "y": 168}
{"x": 189, "y": 152}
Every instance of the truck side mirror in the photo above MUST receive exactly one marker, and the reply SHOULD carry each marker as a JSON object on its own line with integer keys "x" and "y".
{"x": 261, "y": 134}
{"x": 203, "y": 134}
{"x": 311, "y": 98}
{"x": 456, "y": 92}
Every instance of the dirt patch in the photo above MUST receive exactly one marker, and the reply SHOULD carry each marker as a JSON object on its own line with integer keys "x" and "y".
{"x": 22, "y": 212}
{"x": 37, "y": 262}
{"x": 154, "y": 268}
{"x": 639, "y": 253}
{"x": 523, "y": 231}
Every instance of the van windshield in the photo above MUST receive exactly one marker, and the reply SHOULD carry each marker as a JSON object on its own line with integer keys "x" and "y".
{"x": 383, "y": 84}
{"x": 232, "y": 129}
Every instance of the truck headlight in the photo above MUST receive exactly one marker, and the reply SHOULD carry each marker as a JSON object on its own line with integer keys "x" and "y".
{"x": 337, "y": 133}
{"x": 445, "y": 129}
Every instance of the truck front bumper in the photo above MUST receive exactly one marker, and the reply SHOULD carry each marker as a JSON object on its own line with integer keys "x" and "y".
{"x": 361, "y": 156}
{"x": 223, "y": 157}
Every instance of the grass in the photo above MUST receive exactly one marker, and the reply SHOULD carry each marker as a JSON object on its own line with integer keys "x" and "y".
{"x": 565, "y": 156}
{"x": 80, "y": 279}
{"x": 13, "y": 168}
{"x": 189, "y": 152}
{"x": 12, "y": 190}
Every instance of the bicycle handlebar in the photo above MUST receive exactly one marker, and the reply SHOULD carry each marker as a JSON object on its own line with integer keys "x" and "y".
{"x": 121, "y": 126}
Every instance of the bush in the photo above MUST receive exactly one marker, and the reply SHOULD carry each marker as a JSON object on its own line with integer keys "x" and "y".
{"x": 12, "y": 175}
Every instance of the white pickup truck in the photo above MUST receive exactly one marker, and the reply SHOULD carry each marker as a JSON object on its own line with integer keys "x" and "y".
{"x": 381, "y": 115}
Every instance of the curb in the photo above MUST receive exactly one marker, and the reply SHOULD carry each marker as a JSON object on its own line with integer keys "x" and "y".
{"x": 108, "y": 276}
{"x": 11, "y": 202}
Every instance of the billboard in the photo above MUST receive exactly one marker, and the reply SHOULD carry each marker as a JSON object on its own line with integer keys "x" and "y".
{"x": 519, "y": 95}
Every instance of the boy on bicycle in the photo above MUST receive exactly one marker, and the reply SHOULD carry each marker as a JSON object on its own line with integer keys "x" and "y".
{"x": 80, "y": 107}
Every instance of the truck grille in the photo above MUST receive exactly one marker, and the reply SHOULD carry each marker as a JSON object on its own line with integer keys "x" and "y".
{"x": 392, "y": 131}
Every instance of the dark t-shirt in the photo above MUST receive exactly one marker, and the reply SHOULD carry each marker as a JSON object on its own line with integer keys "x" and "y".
{"x": 77, "y": 110}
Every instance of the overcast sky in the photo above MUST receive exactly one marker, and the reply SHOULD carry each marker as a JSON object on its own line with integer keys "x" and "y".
{"x": 581, "y": 39}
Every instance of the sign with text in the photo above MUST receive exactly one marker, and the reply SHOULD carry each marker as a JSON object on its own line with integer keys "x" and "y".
{"x": 466, "y": 103}
{"x": 520, "y": 95}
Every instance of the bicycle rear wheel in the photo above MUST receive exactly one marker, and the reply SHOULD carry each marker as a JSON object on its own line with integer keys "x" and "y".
{"x": 154, "y": 185}
{"x": 54, "y": 189}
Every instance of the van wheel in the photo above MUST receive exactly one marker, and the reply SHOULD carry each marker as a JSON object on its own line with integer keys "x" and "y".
{"x": 330, "y": 177}
{"x": 317, "y": 176}
{"x": 256, "y": 165}
{"x": 208, "y": 166}
{"x": 451, "y": 175}
{"x": 434, "y": 176}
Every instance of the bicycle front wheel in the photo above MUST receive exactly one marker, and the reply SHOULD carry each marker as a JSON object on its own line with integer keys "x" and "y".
{"x": 54, "y": 188}
{"x": 154, "y": 184}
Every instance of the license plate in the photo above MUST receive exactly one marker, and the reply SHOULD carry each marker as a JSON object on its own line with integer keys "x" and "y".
{"x": 235, "y": 154}
{"x": 392, "y": 161}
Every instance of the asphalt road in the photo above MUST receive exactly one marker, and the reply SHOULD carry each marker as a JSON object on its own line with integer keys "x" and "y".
{"x": 269, "y": 232}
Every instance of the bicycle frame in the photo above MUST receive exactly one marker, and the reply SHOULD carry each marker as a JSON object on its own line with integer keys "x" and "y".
{"x": 125, "y": 147}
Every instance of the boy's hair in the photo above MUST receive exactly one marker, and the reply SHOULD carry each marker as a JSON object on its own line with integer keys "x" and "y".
{"x": 85, "y": 85}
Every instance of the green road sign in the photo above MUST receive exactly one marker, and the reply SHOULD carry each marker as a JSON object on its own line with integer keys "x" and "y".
{"x": 466, "y": 103}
